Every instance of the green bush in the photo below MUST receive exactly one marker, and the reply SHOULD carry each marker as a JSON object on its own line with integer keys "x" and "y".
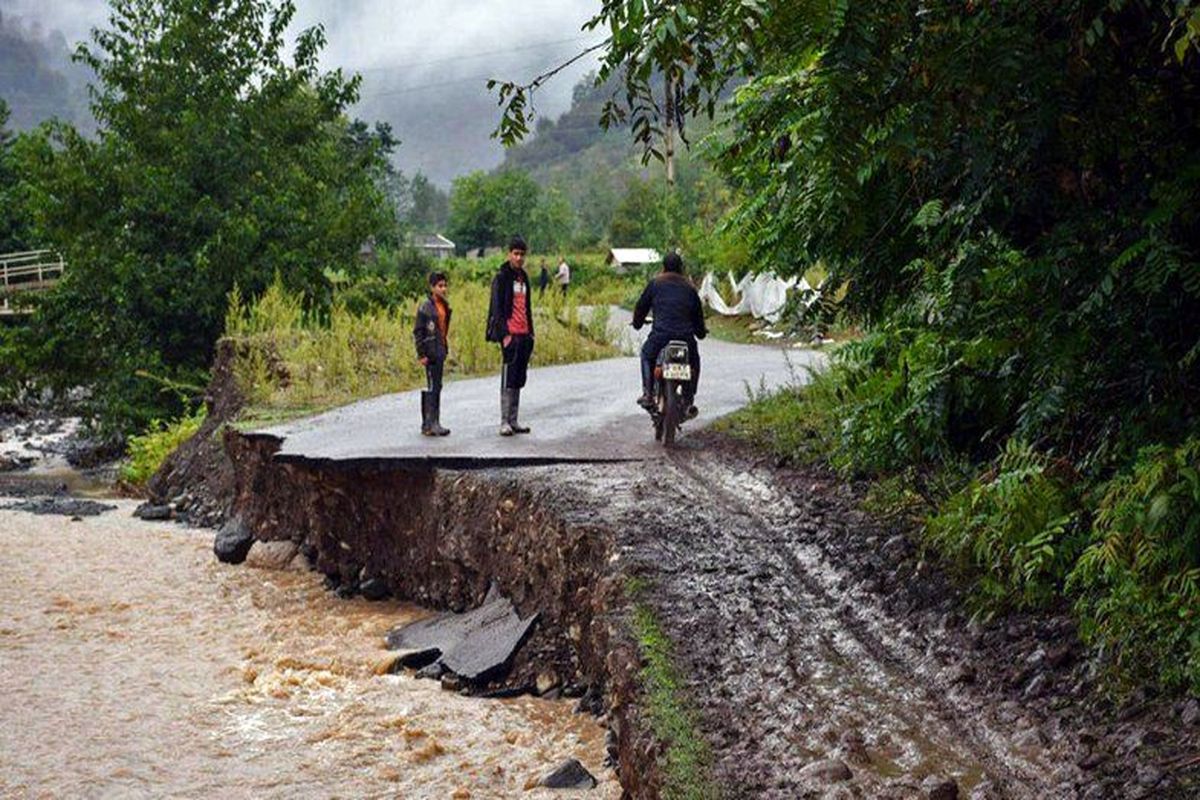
{"x": 145, "y": 453}
{"x": 1014, "y": 528}
{"x": 1139, "y": 578}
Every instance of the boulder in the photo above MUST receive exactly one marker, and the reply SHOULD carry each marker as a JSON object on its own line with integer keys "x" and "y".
{"x": 233, "y": 542}
{"x": 153, "y": 512}
{"x": 830, "y": 770}
{"x": 569, "y": 775}
{"x": 272, "y": 555}
{"x": 375, "y": 589}
{"x": 936, "y": 788}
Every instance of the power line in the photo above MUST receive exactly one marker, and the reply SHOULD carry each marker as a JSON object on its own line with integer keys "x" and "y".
{"x": 535, "y": 46}
{"x": 440, "y": 84}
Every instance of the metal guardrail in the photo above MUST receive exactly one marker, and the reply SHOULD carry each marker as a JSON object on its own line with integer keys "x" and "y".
{"x": 31, "y": 271}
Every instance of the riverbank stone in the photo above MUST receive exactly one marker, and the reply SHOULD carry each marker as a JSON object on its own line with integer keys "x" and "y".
{"x": 569, "y": 775}
{"x": 936, "y": 788}
{"x": 233, "y": 542}
{"x": 271, "y": 555}
{"x": 830, "y": 770}
{"x": 153, "y": 512}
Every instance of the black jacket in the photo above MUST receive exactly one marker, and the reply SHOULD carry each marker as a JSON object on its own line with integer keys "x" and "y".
{"x": 676, "y": 306}
{"x": 501, "y": 306}
{"x": 426, "y": 335}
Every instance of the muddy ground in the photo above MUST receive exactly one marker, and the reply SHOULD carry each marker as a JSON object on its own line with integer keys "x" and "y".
{"x": 823, "y": 657}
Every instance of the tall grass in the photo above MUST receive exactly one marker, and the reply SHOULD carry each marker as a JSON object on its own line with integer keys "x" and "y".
{"x": 293, "y": 359}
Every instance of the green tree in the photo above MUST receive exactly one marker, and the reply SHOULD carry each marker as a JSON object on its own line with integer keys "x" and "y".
{"x": 429, "y": 208}
{"x": 487, "y": 209}
{"x": 221, "y": 160}
{"x": 14, "y": 229}
{"x": 642, "y": 218}
{"x": 552, "y": 223}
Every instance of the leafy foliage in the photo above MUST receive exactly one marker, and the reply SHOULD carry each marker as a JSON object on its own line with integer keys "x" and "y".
{"x": 1010, "y": 192}
{"x": 147, "y": 451}
{"x": 1139, "y": 579}
{"x": 1016, "y": 527}
{"x": 220, "y": 159}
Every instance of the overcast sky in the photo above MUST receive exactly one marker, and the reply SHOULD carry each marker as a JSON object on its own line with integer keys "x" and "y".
{"x": 370, "y": 34}
{"x": 416, "y": 56}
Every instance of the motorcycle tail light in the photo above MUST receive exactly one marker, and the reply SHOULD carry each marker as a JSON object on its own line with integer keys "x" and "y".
{"x": 658, "y": 373}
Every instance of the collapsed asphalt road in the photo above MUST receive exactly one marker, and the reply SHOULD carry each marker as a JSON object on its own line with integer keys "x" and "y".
{"x": 820, "y": 655}
{"x": 578, "y": 412}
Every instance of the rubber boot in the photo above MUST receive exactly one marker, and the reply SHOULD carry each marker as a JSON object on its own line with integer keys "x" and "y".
{"x": 506, "y": 413}
{"x": 436, "y": 414}
{"x": 516, "y": 409}
{"x": 426, "y": 414}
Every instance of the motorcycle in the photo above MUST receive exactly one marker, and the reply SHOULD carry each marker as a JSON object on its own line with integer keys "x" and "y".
{"x": 672, "y": 378}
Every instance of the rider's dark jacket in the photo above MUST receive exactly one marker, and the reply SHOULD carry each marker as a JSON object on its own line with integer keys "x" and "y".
{"x": 501, "y": 306}
{"x": 427, "y": 334}
{"x": 676, "y": 306}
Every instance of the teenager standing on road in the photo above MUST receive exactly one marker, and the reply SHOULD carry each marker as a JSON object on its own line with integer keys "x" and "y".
{"x": 510, "y": 324}
{"x": 431, "y": 333}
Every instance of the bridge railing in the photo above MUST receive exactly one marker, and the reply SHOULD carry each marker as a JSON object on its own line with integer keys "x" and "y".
{"x": 30, "y": 271}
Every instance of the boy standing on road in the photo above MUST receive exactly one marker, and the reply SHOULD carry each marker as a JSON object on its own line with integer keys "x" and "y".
{"x": 510, "y": 324}
{"x": 431, "y": 333}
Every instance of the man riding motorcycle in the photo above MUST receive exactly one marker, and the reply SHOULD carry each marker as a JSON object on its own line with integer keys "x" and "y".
{"x": 678, "y": 314}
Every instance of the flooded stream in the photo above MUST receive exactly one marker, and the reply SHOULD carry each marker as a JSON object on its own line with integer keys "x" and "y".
{"x": 134, "y": 665}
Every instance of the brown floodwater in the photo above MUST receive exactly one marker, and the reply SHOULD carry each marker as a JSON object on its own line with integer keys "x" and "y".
{"x": 132, "y": 664}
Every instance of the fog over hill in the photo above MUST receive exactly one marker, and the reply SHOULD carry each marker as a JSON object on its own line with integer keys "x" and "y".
{"x": 424, "y": 64}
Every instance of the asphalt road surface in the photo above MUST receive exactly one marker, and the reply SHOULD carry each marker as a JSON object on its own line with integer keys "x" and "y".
{"x": 578, "y": 413}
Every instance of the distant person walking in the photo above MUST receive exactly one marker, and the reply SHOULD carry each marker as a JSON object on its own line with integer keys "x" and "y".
{"x": 431, "y": 335}
{"x": 510, "y": 324}
{"x": 563, "y": 275}
{"x": 543, "y": 280}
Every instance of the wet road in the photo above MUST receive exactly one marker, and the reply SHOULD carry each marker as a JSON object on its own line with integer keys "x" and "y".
{"x": 578, "y": 412}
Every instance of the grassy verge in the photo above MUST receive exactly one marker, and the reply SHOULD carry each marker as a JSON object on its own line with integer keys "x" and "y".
{"x": 687, "y": 768}
{"x": 291, "y": 362}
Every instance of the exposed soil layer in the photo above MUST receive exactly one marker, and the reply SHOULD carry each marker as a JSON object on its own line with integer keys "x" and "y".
{"x": 197, "y": 479}
{"x": 823, "y": 658}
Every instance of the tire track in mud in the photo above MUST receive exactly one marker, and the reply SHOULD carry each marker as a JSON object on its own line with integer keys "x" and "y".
{"x": 807, "y": 670}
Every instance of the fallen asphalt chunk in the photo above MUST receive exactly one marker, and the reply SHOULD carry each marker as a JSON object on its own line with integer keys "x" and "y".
{"x": 569, "y": 775}
{"x": 476, "y": 645}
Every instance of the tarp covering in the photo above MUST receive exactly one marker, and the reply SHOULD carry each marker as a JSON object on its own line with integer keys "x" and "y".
{"x": 762, "y": 296}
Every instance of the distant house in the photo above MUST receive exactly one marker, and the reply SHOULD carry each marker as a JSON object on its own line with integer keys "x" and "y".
{"x": 366, "y": 251}
{"x": 433, "y": 244}
{"x": 624, "y": 259}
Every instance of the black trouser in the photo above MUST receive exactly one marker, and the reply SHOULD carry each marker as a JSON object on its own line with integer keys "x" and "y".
{"x": 433, "y": 376}
{"x": 655, "y": 342}
{"x": 516, "y": 362}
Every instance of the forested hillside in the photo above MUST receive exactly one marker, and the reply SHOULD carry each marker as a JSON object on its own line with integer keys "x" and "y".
{"x": 38, "y": 79}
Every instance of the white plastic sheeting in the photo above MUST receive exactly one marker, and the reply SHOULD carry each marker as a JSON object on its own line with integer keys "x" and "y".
{"x": 762, "y": 296}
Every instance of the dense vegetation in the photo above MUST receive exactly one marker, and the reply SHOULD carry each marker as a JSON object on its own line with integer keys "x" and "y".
{"x": 1010, "y": 190}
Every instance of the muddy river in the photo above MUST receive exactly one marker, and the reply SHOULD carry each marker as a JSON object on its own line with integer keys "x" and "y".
{"x": 132, "y": 664}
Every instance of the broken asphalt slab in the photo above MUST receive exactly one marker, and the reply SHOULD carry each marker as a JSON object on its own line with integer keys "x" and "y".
{"x": 475, "y": 645}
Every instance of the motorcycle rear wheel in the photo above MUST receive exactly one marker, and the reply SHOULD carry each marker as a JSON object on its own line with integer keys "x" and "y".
{"x": 671, "y": 412}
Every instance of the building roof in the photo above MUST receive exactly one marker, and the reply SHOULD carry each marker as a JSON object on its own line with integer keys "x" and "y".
{"x": 432, "y": 241}
{"x": 634, "y": 255}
